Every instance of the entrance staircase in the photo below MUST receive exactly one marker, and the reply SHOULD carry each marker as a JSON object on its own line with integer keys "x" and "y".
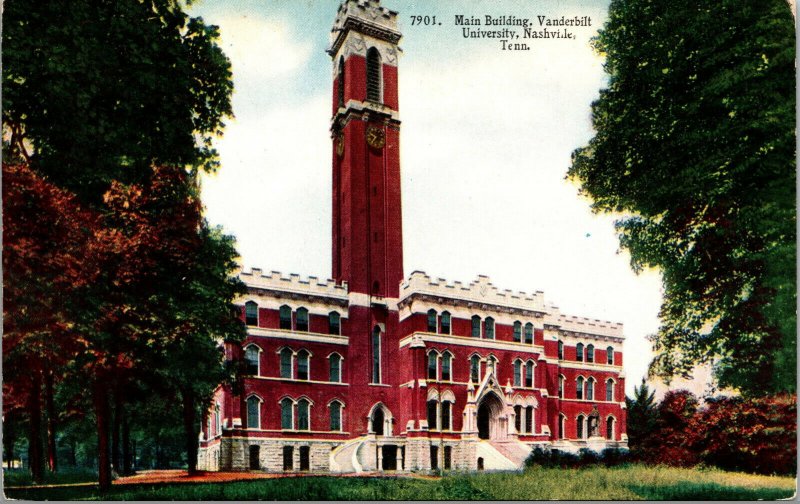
{"x": 345, "y": 458}
{"x": 502, "y": 455}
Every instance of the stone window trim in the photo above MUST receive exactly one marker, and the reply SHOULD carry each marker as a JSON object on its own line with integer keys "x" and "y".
{"x": 260, "y": 403}
{"x": 258, "y": 356}
{"x": 295, "y": 412}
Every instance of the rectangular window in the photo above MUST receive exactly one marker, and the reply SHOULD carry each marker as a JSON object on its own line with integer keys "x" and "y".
{"x": 432, "y": 321}
{"x": 432, "y": 415}
{"x": 529, "y": 333}
{"x": 305, "y": 458}
{"x": 445, "y": 323}
{"x": 434, "y": 458}
{"x": 518, "y": 418}
{"x": 288, "y": 458}
{"x": 448, "y": 458}
{"x": 251, "y": 313}
{"x": 476, "y": 327}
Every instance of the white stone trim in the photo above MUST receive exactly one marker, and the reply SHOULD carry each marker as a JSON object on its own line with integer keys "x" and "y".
{"x": 286, "y": 334}
{"x": 589, "y": 366}
{"x": 492, "y": 344}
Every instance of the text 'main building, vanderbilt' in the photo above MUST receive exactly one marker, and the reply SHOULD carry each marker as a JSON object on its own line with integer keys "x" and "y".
{"x": 372, "y": 371}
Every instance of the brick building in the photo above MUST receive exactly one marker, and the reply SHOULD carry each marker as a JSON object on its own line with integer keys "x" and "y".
{"x": 374, "y": 371}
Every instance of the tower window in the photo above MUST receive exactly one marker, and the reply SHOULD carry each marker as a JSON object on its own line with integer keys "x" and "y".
{"x": 373, "y": 75}
{"x": 432, "y": 414}
{"x": 335, "y": 374}
{"x": 302, "y": 414}
{"x": 251, "y": 313}
{"x": 475, "y": 369}
{"x": 517, "y": 373}
{"x": 446, "y": 363}
{"x": 432, "y": 365}
{"x": 251, "y": 358}
{"x": 447, "y": 408}
{"x": 560, "y": 349}
{"x": 376, "y": 355}
{"x": 579, "y": 388}
{"x": 253, "y": 412}
{"x": 336, "y": 416}
{"x": 529, "y": 333}
{"x": 579, "y": 352}
{"x": 610, "y": 356}
{"x": 529, "y": 374}
{"x": 302, "y": 365}
{"x": 517, "y": 331}
{"x": 590, "y": 353}
{"x": 340, "y": 90}
{"x": 609, "y": 390}
{"x": 287, "y": 420}
{"x": 286, "y": 363}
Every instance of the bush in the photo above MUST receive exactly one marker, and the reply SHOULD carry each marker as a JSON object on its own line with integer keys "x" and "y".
{"x": 584, "y": 457}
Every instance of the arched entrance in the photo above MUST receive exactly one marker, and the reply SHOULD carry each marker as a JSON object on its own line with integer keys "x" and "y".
{"x": 377, "y": 422}
{"x": 488, "y": 414}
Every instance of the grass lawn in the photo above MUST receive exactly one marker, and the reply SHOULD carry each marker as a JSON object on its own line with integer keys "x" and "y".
{"x": 595, "y": 483}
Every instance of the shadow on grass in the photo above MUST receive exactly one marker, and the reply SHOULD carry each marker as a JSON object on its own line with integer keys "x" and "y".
{"x": 708, "y": 491}
{"x": 21, "y": 477}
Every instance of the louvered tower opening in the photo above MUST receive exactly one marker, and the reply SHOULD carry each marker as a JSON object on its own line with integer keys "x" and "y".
{"x": 340, "y": 97}
{"x": 373, "y": 75}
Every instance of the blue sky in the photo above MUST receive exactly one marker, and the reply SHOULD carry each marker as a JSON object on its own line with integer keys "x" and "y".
{"x": 485, "y": 145}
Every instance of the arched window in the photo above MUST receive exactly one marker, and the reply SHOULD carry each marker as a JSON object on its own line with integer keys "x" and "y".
{"x": 562, "y": 422}
{"x": 286, "y": 363}
{"x": 590, "y": 353}
{"x": 560, "y": 349}
{"x": 476, "y": 326}
{"x": 253, "y": 412}
{"x": 251, "y": 360}
{"x": 302, "y": 365}
{"x": 610, "y": 427}
{"x": 336, "y": 416}
{"x": 335, "y": 368}
{"x": 302, "y": 415}
{"x": 475, "y": 369}
{"x": 287, "y": 417}
{"x": 433, "y": 361}
{"x": 561, "y": 386}
{"x": 285, "y": 314}
{"x": 529, "y": 374}
{"x": 302, "y": 320}
{"x": 590, "y": 389}
{"x": 433, "y": 410}
{"x": 610, "y": 356}
{"x": 517, "y": 331}
{"x": 432, "y": 320}
{"x": 445, "y": 322}
{"x": 334, "y": 323}
{"x": 376, "y": 355}
{"x": 609, "y": 390}
{"x": 447, "y": 362}
{"x": 579, "y": 352}
{"x": 517, "y": 373}
{"x": 447, "y": 415}
{"x": 489, "y": 328}
{"x": 518, "y": 418}
{"x": 579, "y": 388}
{"x": 529, "y": 333}
{"x": 529, "y": 420}
{"x": 251, "y": 313}
{"x": 340, "y": 86}
{"x": 217, "y": 419}
{"x": 373, "y": 75}
{"x": 579, "y": 427}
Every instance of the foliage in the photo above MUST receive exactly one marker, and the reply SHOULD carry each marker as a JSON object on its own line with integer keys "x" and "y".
{"x": 695, "y": 144}
{"x": 642, "y": 416}
{"x": 555, "y": 458}
{"x": 675, "y": 434}
{"x": 537, "y": 483}
{"x": 753, "y": 435}
{"x": 110, "y": 89}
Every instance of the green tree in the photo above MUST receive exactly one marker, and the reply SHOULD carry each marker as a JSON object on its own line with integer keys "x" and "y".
{"x": 111, "y": 88}
{"x": 695, "y": 147}
{"x": 642, "y": 417}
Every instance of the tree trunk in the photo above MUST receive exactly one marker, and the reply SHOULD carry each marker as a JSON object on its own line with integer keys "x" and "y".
{"x": 190, "y": 430}
{"x": 101, "y": 412}
{"x": 115, "y": 462}
{"x": 36, "y": 459}
{"x": 126, "y": 444}
{"x": 51, "y": 423}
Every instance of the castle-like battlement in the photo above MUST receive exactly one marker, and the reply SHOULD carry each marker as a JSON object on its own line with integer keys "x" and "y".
{"x": 312, "y": 285}
{"x": 590, "y": 326}
{"x": 478, "y": 291}
{"x": 367, "y": 17}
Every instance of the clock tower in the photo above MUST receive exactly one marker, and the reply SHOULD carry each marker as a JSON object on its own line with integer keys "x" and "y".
{"x": 365, "y": 129}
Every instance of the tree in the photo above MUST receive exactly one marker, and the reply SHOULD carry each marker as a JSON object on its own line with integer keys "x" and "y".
{"x": 642, "y": 416}
{"x": 111, "y": 88}
{"x": 695, "y": 146}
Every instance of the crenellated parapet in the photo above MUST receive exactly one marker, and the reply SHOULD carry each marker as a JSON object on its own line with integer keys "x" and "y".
{"x": 364, "y": 18}
{"x": 477, "y": 293}
{"x": 277, "y": 282}
{"x": 583, "y": 327}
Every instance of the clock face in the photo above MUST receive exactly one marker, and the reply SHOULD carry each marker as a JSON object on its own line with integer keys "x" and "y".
{"x": 376, "y": 138}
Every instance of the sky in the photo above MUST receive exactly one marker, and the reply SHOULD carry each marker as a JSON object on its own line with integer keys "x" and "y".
{"x": 486, "y": 140}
